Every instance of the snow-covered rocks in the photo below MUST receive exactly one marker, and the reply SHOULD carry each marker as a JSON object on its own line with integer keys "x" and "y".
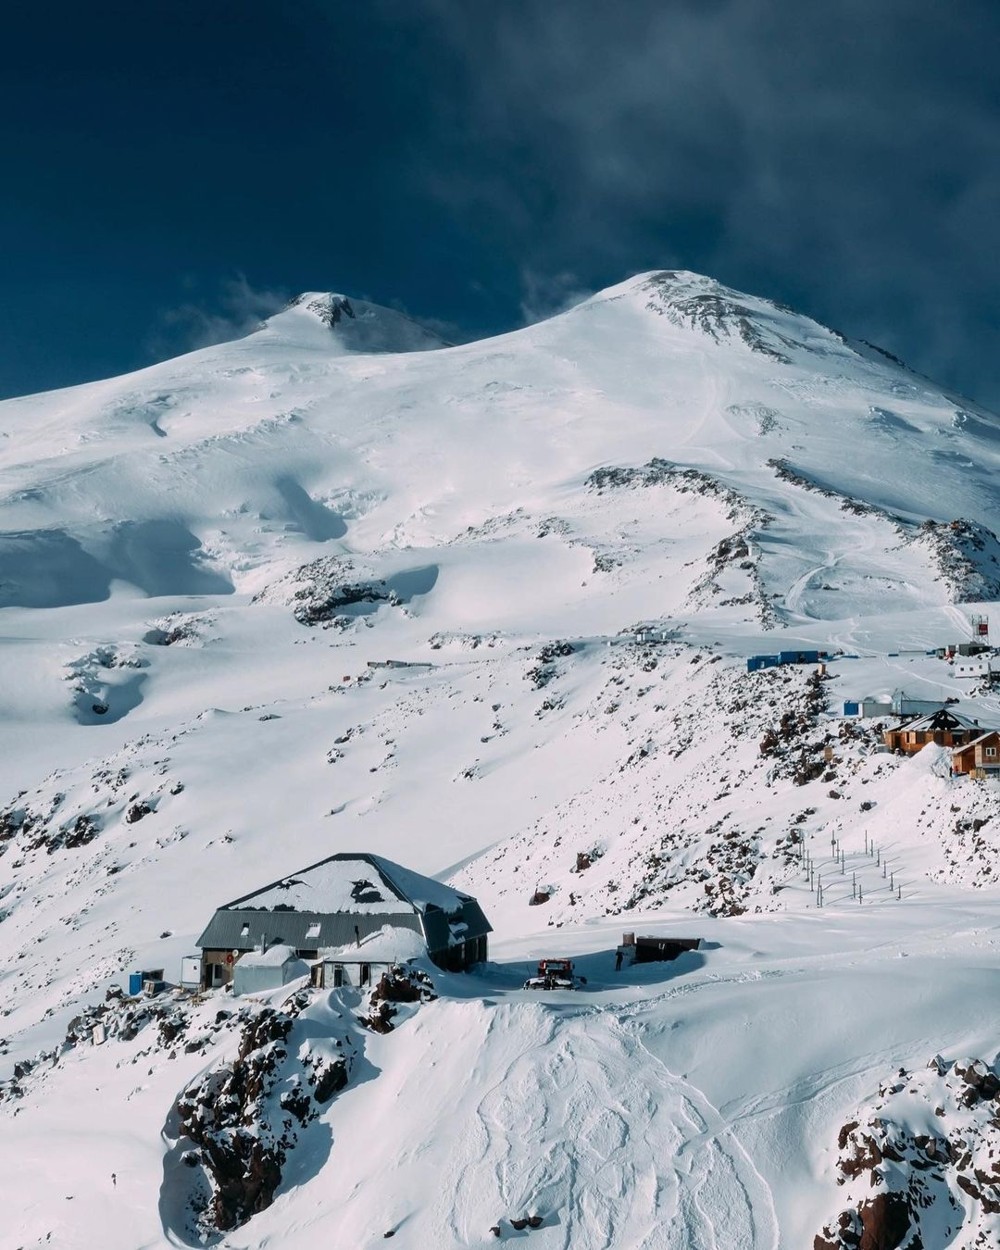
{"x": 921, "y": 1164}
{"x": 234, "y": 1127}
{"x": 967, "y": 555}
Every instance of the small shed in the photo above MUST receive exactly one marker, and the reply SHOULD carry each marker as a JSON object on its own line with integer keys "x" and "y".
{"x": 870, "y": 707}
{"x": 149, "y": 981}
{"x": 190, "y": 972}
{"x": 903, "y": 705}
{"x": 756, "y": 662}
{"x": 647, "y": 950}
{"x": 268, "y": 970}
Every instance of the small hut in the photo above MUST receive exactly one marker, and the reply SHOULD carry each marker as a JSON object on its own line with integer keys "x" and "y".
{"x": 655, "y": 949}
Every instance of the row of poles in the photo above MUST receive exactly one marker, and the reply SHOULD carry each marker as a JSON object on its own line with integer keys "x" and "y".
{"x": 814, "y": 875}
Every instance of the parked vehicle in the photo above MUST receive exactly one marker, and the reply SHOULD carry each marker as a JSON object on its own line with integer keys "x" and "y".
{"x": 554, "y": 974}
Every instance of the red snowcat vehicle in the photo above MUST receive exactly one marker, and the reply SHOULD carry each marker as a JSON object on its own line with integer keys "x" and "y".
{"x": 553, "y": 974}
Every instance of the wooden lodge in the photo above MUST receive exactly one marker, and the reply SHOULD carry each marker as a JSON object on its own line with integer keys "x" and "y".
{"x": 979, "y": 758}
{"x": 943, "y": 727}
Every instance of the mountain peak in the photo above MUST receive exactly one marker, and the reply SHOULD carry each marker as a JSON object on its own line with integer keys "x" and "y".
{"x": 353, "y": 325}
{"x": 765, "y": 326}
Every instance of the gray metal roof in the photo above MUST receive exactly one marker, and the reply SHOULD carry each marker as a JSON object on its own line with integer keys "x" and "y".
{"x": 225, "y": 930}
{"x": 415, "y": 903}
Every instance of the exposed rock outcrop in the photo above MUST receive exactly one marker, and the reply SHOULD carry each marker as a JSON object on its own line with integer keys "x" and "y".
{"x": 915, "y": 1189}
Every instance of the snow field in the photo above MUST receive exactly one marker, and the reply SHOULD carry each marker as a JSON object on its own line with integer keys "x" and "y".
{"x": 763, "y": 486}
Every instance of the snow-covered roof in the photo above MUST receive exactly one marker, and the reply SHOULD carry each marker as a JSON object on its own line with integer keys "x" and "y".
{"x": 273, "y": 957}
{"x": 332, "y": 903}
{"x": 940, "y": 720}
{"x": 389, "y": 944}
{"x": 357, "y": 883}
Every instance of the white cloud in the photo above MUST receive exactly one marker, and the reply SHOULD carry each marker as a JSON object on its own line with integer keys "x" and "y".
{"x": 235, "y": 310}
{"x": 545, "y": 295}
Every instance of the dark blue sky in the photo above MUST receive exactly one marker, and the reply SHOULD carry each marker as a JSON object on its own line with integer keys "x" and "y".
{"x": 169, "y": 172}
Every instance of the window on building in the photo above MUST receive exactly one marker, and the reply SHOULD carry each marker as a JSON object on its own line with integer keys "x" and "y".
{"x": 991, "y": 752}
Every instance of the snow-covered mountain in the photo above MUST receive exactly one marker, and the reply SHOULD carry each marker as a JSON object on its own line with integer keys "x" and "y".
{"x": 572, "y": 537}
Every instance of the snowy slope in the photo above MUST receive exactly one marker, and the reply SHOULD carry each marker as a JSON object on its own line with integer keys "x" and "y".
{"x": 201, "y": 562}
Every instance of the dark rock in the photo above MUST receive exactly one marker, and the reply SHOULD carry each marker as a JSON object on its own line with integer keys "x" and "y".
{"x": 330, "y": 1081}
{"x": 885, "y": 1221}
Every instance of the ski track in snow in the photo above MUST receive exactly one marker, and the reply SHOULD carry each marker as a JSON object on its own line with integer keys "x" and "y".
{"x": 588, "y": 1129}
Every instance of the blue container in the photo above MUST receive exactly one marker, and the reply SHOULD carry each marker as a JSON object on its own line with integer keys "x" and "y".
{"x": 135, "y": 983}
{"x": 798, "y": 657}
{"x": 852, "y": 709}
{"x": 756, "y": 662}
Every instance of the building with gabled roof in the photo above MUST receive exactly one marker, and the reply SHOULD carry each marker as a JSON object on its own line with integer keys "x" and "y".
{"x": 980, "y": 757}
{"x": 943, "y": 727}
{"x": 334, "y": 905}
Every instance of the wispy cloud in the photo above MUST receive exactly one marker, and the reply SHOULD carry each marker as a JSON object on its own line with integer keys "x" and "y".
{"x": 235, "y": 309}
{"x": 547, "y": 294}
